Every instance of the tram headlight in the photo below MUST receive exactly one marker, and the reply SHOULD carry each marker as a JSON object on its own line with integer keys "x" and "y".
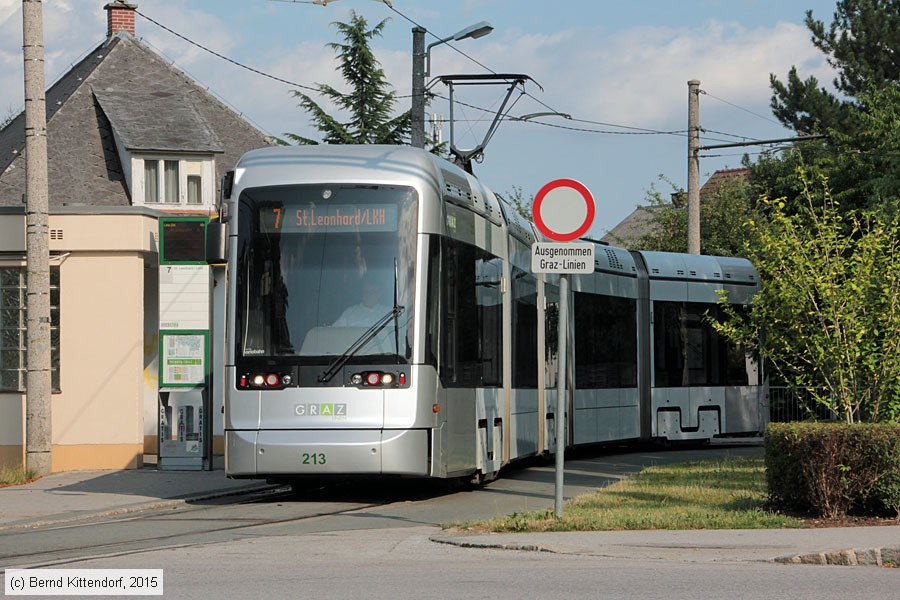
{"x": 265, "y": 381}
{"x": 378, "y": 379}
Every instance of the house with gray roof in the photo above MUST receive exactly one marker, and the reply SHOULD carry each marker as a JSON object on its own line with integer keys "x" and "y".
{"x": 127, "y": 128}
{"x": 642, "y": 220}
{"x": 130, "y": 138}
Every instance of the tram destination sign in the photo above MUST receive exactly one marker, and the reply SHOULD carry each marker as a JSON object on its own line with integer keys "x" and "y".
{"x": 562, "y": 257}
{"x": 334, "y": 218}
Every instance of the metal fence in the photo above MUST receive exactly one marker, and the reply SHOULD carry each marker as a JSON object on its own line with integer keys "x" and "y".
{"x": 788, "y": 404}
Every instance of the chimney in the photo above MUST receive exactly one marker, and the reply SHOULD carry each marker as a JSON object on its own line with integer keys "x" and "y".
{"x": 119, "y": 17}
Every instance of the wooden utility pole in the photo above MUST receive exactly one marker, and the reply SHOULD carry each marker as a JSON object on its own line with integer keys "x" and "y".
{"x": 38, "y": 438}
{"x": 693, "y": 187}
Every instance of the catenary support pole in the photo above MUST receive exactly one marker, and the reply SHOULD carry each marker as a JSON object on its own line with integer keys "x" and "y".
{"x": 693, "y": 188}
{"x": 561, "y": 393}
{"x": 38, "y": 438}
{"x": 417, "y": 116}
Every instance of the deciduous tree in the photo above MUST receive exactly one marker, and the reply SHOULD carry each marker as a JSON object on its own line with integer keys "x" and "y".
{"x": 829, "y": 309}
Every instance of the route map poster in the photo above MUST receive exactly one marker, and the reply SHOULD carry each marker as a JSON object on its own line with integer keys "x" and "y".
{"x": 183, "y": 359}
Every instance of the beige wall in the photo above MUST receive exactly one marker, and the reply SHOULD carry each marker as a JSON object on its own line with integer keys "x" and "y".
{"x": 98, "y": 418}
{"x": 102, "y": 351}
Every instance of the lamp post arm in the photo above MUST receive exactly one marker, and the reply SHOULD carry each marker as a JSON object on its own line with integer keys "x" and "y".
{"x": 428, "y": 53}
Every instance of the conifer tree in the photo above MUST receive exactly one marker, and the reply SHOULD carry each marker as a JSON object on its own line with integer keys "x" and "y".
{"x": 370, "y": 101}
{"x": 863, "y": 45}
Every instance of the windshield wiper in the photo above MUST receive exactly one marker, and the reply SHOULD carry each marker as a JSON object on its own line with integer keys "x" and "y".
{"x": 396, "y": 320}
{"x": 356, "y": 346}
{"x": 393, "y": 314}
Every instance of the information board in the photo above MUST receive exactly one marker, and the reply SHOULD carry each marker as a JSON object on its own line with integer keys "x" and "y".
{"x": 184, "y": 296}
{"x": 183, "y": 358}
{"x": 182, "y": 240}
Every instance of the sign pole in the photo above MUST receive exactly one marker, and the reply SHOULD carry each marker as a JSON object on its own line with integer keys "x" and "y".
{"x": 571, "y": 216}
{"x": 561, "y": 393}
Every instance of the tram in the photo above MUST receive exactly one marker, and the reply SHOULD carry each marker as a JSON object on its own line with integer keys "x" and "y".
{"x": 383, "y": 319}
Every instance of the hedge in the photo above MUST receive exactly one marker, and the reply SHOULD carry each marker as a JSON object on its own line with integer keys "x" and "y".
{"x": 832, "y": 469}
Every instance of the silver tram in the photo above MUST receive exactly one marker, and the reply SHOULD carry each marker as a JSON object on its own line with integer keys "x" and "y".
{"x": 382, "y": 319}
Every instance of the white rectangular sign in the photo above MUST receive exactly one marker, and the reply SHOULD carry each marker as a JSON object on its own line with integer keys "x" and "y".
{"x": 184, "y": 296}
{"x": 84, "y": 582}
{"x": 562, "y": 257}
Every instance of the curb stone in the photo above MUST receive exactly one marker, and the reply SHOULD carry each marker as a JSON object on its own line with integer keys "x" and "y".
{"x": 869, "y": 557}
{"x": 875, "y": 557}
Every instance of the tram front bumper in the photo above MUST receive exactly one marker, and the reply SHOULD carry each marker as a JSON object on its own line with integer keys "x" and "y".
{"x": 326, "y": 452}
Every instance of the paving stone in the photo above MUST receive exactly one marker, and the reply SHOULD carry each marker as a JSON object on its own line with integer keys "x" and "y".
{"x": 869, "y": 557}
{"x": 813, "y": 559}
{"x": 845, "y": 558}
{"x": 891, "y": 555}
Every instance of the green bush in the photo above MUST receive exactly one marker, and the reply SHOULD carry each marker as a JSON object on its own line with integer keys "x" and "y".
{"x": 832, "y": 469}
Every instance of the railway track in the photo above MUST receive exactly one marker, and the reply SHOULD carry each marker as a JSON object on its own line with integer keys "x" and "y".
{"x": 178, "y": 526}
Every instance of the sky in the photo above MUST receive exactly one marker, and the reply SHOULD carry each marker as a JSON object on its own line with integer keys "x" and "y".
{"x": 619, "y": 69}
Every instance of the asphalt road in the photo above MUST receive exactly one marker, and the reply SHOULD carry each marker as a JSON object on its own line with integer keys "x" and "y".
{"x": 371, "y": 540}
{"x": 335, "y": 507}
{"x": 403, "y": 563}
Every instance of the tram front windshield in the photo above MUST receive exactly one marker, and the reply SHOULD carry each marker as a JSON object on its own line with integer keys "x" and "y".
{"x": 316, "y": 270}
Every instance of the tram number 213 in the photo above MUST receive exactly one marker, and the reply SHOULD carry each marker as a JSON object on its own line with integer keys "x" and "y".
{"x": 313, "y": 458}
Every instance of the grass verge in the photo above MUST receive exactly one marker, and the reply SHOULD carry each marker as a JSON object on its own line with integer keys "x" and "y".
{"x": 15, "y": 476}
{"x": 724, "y": 494}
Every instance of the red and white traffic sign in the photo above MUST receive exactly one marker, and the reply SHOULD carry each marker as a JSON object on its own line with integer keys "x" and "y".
{"x": 563, "y": 210}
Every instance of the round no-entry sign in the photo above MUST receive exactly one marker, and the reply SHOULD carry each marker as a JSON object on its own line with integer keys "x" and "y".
{"x": 563, "y": 210}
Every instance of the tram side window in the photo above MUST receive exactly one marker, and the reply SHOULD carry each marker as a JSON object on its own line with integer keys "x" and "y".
{"x": 471, "y": 333}
{"x": 524, "y": 330}
{"x": 737, "y": 365}
{"x": 605, "y": 342}
{"x": 738, "y": 362}
{"x": 688, "y": 351}
{"x": 686, "y": 347}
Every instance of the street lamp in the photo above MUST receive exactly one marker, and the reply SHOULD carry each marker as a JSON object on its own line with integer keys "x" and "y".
{"x": 422, "y": 69}
{"x": 473, "y": 32}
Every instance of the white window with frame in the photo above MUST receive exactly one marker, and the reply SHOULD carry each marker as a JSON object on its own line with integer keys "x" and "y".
{"x": 171, "y": 182}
